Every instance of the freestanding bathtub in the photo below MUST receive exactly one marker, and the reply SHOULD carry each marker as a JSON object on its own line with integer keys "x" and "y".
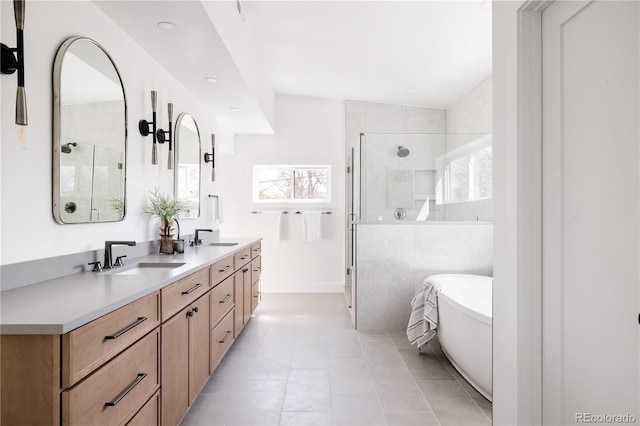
{"x": 465, "y": 326}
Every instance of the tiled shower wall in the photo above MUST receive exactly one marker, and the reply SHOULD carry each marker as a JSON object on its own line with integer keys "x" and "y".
{"x": 394, "y": 259}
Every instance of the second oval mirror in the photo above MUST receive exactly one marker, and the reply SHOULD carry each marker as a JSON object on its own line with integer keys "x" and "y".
{"x": 187, "y": 169}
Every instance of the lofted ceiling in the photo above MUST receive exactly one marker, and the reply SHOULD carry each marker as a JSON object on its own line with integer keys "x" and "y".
{"x": 423, "y": 53}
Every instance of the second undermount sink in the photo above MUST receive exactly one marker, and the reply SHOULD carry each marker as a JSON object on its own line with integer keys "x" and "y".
{"x": 223, "y": 244}
{"x": 144, "y": 268}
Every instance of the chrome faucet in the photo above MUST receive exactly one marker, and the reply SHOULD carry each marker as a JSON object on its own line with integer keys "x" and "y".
{"x": 108, "y": 263}
{"x": 196, "y": 240}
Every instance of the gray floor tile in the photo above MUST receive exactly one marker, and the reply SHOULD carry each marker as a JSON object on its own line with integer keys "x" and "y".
{"x": 425, "y": 366}
{"x": 361, "y": 409}
{"x": 451, "y": 403}
{"x": 250, "y": 417}
{"x": 320, "y": 418}
{"x": 417, "y": 418}
{"x": 299, "y": 362}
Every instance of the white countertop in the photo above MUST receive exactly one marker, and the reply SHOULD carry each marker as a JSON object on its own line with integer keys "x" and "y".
{"x": 60, "y": 305}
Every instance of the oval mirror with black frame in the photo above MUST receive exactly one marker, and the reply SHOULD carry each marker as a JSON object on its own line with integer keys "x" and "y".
{"x": 89, "y": 135}
{"x": 187, "y": 165}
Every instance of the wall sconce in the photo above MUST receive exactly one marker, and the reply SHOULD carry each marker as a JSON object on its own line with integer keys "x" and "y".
{"x": 167, "y": 136}
{"x": 10, "y": 63}
{"x": 147, "y": 128}
{"x": 209, "y": 158}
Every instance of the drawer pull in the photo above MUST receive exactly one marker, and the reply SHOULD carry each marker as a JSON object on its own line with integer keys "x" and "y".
{"x": 192, "y": 289}
{"x": 256, "y": 249}
{"x": 226, "y": 268}
{"x": 124, "y": 393}
{"x": 226, "y": 298}
{"x": 243, "y": 257}
{"x": 139, "y": 321}
{"x": 226, "y": 336}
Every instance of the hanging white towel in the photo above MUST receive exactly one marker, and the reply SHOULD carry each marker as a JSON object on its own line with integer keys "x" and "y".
{"x": 216, "y": 210}
{"x": 311, "y": 226}
{"x": 271, "y": 226}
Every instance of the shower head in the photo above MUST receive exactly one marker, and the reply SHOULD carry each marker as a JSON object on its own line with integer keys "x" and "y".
{"x": 66, "y": 148}
{"x": 403, "y": 152}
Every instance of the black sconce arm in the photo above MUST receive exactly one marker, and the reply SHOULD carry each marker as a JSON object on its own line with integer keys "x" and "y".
{"x": 210, "y": 158}
{"x": 11, "y": 63}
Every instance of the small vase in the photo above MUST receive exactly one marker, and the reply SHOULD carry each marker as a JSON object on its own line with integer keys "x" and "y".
{"x": 166, "y": 238}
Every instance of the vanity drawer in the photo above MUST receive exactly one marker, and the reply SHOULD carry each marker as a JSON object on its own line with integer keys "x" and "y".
{"x": 221, "y": 339}
{"x": 242, "y": 258}
{"x": 221, "y": 300}
{"x": 256, "y": 269}
{"x": 255, "y": 296}
{"x": 179, "y": 294}
{"x": 221, "y": 270}
{"x": 149, "y": 414}
{"x": 88, "y": 347}
{"x": 256, "y": 249}
{"x": 119, "y": 389}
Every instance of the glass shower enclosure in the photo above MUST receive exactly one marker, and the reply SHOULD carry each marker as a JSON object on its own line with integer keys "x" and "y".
{"x": 413, "y": 178}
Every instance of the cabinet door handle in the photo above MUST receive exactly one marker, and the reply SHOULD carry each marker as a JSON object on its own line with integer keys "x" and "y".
{"x": 124, "y": 393}
{"x": 256, "y": 270}
{"x": 226, "y": 298}
{"x": 192, "y": 289}
{"x": 226, "y": 268}
{"x": 139, "y": 321}
{"x": 226, "y": 336}
{"x": 245, "y": 270}
{"x": 195, "y": 309}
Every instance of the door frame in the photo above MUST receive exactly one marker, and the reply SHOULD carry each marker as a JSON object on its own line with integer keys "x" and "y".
{"x": 517, "y": 340}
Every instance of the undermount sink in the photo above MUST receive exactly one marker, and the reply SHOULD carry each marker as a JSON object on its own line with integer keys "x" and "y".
{"x": 144, "y": 268}
{"x": 223, "y": 244}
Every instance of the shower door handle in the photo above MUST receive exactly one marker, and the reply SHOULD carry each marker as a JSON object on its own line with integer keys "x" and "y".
{"x": 351, "y": 218}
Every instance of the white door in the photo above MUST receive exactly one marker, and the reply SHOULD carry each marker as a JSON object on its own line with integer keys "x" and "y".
{"x": 591, "y": 215}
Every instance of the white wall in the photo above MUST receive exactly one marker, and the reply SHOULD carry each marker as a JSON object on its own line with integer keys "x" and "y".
{"x": 28, "y": 230}
{"x": 473, "y": 113}
{"x": 308, "y": 131}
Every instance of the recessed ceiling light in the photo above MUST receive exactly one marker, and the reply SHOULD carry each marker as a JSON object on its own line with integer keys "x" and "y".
{"x": 413, "y": 90}
{"x": 167, "y": 26}
{"x": 234, "y": 109}
{"x": 211, "y": 79}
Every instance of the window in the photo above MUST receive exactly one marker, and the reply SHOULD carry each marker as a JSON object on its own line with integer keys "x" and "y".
{"x": 291, "y": 184}
{"x": 467, "y": 173}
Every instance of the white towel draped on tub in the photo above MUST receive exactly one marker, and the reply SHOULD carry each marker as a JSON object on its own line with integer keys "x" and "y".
{"x": 311, "y": 226}
{"x": 424, "y": 314}
{"x": 271, "y": 221}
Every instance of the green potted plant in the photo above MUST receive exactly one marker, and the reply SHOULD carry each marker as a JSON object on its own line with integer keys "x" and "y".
{"x": 164, "y": 208}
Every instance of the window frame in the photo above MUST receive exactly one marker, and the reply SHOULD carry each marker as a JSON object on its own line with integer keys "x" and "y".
{"x": 255, "y": 193}
{"x": 470, "y": 150}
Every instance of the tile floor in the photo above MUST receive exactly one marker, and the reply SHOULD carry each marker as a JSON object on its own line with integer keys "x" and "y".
{"x": 299, "y": 362}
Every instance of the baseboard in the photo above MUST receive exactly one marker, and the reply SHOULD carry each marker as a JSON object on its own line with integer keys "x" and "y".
{"x": 301, "y": 287}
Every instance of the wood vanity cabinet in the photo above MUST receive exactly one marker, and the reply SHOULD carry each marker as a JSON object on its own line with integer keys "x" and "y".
{"x": 142, "y": 364}
{"x": 104, "y": 372}
{"x": 185, "y": 352}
